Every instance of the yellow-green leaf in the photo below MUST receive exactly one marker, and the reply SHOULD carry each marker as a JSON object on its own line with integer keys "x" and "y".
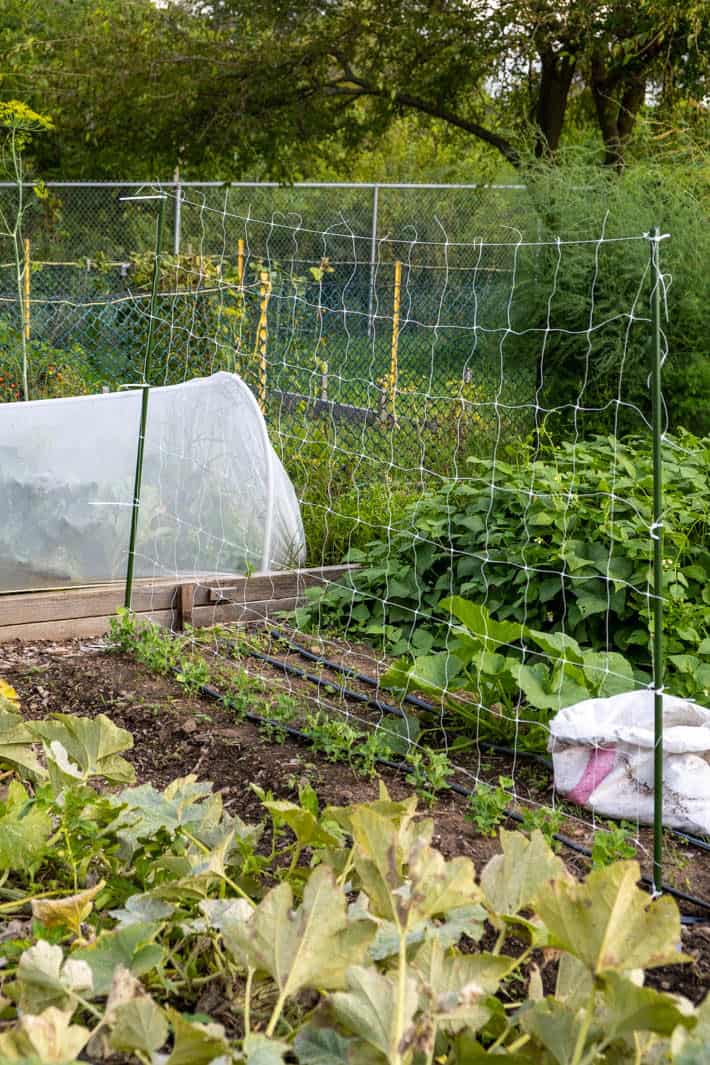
{"x": 609, "y": 923}
{"x": 511, "y": 880}
{"x": 312, "y": 946}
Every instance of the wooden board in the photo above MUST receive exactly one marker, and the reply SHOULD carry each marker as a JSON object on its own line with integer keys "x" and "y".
{"x": 85, "y": 612}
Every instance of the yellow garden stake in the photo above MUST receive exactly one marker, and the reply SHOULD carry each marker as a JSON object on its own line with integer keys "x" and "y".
{"x": 394, "y": 354}
{"x": 27, "y": 279}
{"x": 262, "y": 334}
{"x": 240, "y": 264}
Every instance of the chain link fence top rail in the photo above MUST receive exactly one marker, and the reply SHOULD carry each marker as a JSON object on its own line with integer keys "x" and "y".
{"x": 375, "y": 302}
{"x": 330, "y": 253}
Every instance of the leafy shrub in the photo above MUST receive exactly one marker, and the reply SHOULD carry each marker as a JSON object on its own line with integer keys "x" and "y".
{"x": 51, "y": 372}
{"x": 579, "y": 199}
{"x": 562, "y": 544}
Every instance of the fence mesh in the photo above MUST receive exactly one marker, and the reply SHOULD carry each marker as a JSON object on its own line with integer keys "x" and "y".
{"x": 449, "y": 390}
{"x": 330, "y": 254}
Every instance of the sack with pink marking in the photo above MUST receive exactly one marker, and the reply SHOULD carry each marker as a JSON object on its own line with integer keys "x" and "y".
{"x": 602, "y": 753}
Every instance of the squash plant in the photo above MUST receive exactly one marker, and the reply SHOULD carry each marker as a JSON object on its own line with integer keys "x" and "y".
{"x": 348, "y": 938}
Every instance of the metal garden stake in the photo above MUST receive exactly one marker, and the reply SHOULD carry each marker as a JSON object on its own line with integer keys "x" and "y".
{"x": 145, "y": 390}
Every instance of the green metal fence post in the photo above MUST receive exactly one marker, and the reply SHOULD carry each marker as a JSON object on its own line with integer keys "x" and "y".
{"x": 145, "y": 392}
{"x": 657, "y": 535}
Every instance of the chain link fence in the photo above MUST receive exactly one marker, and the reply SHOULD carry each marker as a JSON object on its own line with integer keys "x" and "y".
{"x": 336, "y": 288}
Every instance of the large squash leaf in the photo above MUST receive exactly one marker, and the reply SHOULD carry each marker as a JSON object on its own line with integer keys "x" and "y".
{"x": 312, "y": 946}
{"x": 609, "y": 923}
{"x": 511, "y": 880}
{"x": 81, "y": 747}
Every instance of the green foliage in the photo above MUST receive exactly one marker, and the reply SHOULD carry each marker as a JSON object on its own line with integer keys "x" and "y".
{"x": 558, "y": 557}
{"x": 612, "y": 844}
{"x": 487, "y": 805}
{"x": 307, "y": 100}
{"x": 548, "y": 822}
{"x": 167, "y": 896}
{"x": 429, "y": 772}
{"x": 671, "y": 194}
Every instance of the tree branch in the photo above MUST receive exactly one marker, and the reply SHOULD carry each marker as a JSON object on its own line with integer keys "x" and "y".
{"x": 352, "y": 85}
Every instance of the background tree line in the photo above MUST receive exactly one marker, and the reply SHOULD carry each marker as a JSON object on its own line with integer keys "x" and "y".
{"x": 600, "y": 108}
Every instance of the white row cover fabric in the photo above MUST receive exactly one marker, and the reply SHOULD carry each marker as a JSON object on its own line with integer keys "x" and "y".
{"x": 215, "y": 497}
{"x": 602, "y": 752}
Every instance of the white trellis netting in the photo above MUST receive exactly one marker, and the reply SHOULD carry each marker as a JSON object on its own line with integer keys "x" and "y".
{"x": 215, "y": 497}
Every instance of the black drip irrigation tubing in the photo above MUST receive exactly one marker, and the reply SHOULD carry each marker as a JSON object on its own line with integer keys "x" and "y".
{"x": 213, "y": 693}
{"x": 348, "y": 693}
{"x": 423, "y": 704}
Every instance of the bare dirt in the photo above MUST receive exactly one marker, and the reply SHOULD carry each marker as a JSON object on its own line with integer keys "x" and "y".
{"x": 175, "y": 735}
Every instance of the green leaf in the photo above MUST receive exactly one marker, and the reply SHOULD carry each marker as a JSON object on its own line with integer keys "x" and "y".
{"x": 609, "y": 923}
{"x": 460, "y": 984}
{"x": 16, "y": 741}
{"x": 479, "y": 622}
{"x": 693, "y": 1048}
{"x": 428, "y": 673}
{"x": 92, "y": 746}
{"x": 466, "y": 920}
{"x": 24, "y": 831}
{"x": 195, "y": 1044}
{"x": 305, "y": 827}
{"x": 321, "y": 1046}
{"x": 608, "y": 673}
{"x": 139, "y": 909}
{"x": 145, "y": 811}
{"x": 139, "y": 1025}
{"x": 511, "y": 880}
{"x": 45, "y": 979}
{"x": 591, "y": 604}
{"x": 369, "y": 1008}
{"x": 261, "y": 1050}
{"x": 130, "y": 946}
{"x": 557, "y": 644}
{"x": 556, "y": 1027}
{"x": 633, "y": 1008}
{"x": 312, "y": 946}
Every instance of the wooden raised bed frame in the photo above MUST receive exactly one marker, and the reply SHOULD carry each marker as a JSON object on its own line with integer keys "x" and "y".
{"x": 70, "y": 613}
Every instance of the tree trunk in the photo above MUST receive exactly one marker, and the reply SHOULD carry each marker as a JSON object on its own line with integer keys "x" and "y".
{"x": 618, "y": 98}
{"x": 555, "y": 81}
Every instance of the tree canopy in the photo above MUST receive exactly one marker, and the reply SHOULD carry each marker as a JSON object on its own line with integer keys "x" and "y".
{"x": 258, "y": 87}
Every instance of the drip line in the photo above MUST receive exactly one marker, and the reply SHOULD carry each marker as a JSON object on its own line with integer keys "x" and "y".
{"x": 210, "y": 692}
{"x": 423, "y": 704}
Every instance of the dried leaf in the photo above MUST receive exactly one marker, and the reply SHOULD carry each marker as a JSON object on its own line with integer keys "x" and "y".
{"x": 68, "y": 912}
{"x": 46, "y": 979}
{"x": 52, "y": 1036}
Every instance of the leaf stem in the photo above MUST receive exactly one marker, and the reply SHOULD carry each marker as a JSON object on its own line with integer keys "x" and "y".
{"x": 577, "y": 1058}
{"x": 247, "y": 1001}
{"x": 401, "y": 996}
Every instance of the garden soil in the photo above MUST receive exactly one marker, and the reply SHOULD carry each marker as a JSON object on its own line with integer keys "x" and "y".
{"x": 175, "y": 735}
